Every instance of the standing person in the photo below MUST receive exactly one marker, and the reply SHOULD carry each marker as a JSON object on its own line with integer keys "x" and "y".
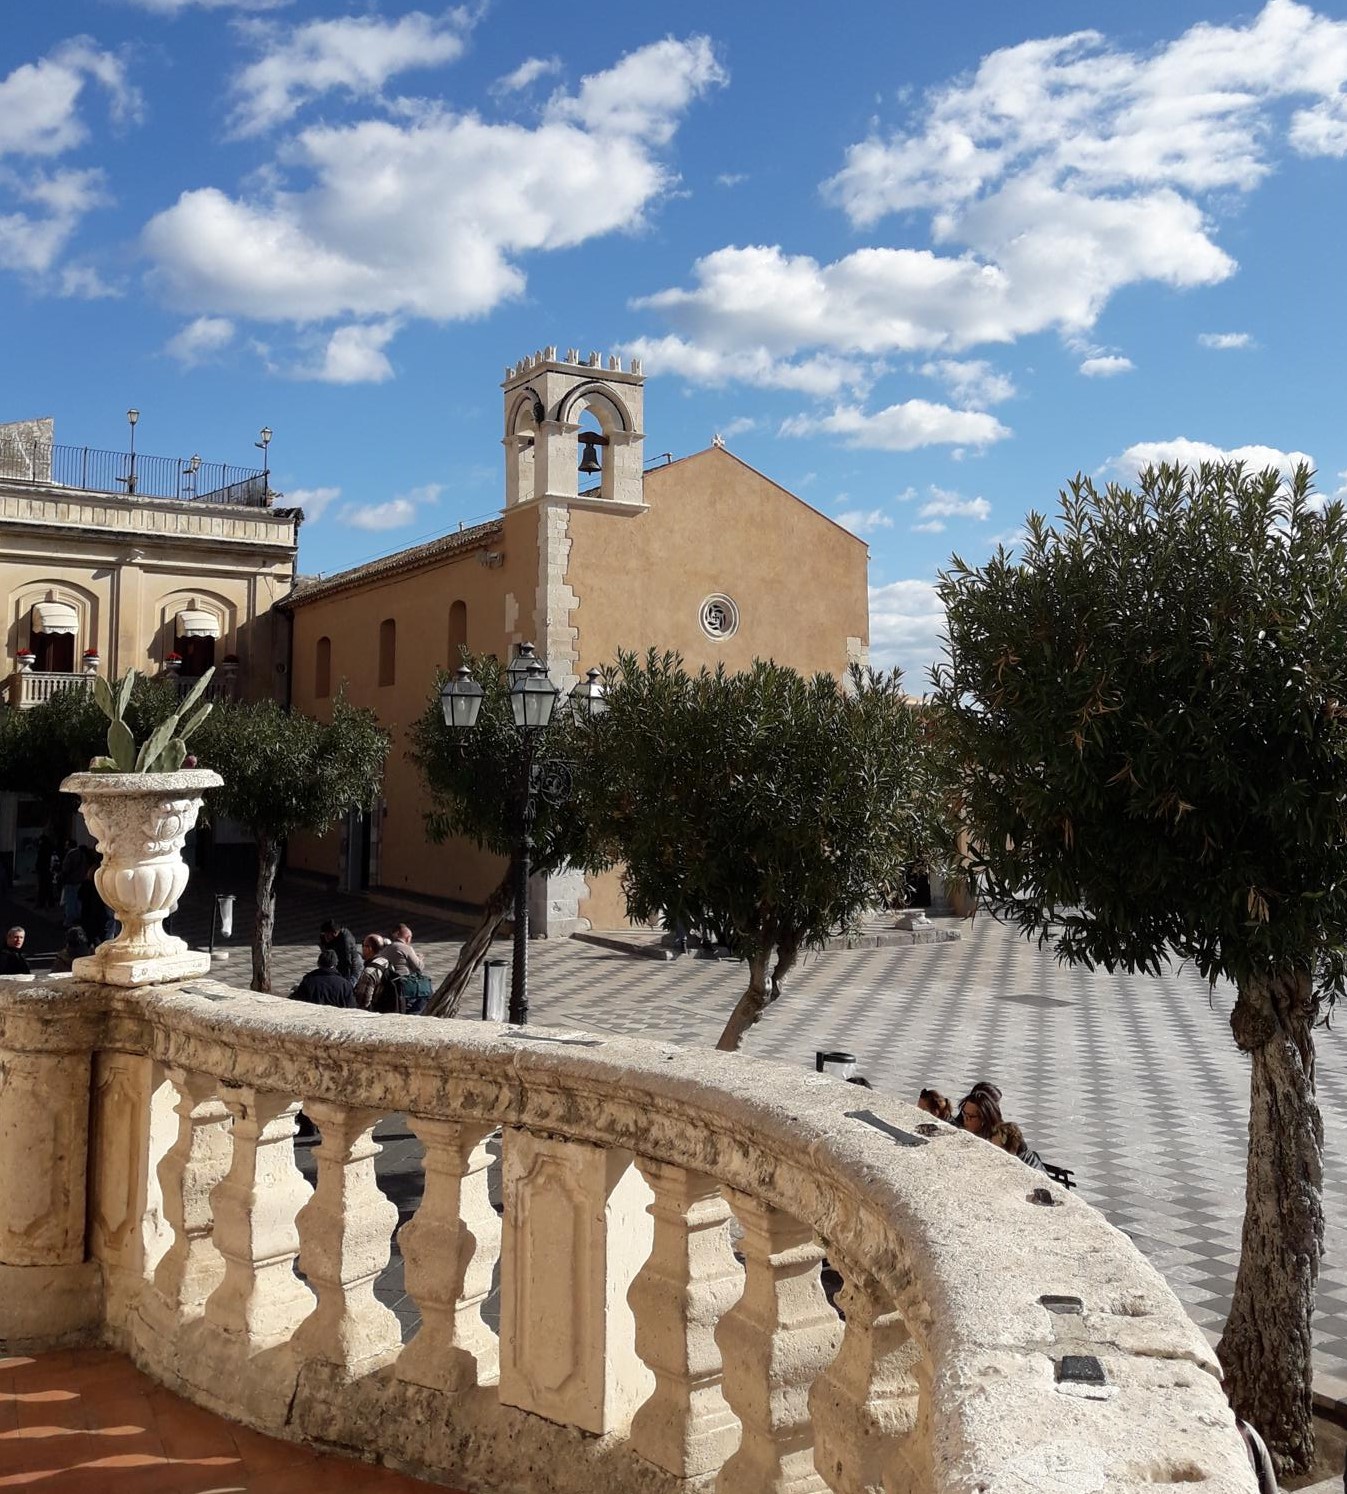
{"x": 46, "y": 850}
{"x": 73, "y": 866}
{"x": 341, "y": 941}
{"x": 409, "y": 970}
{"x": 325, "y": 985}
{"x": 12, "y": 961}
{"x": 94, "y": 915}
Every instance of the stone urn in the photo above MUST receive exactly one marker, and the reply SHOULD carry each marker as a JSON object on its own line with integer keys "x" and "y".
{"x": 140, "y": 821}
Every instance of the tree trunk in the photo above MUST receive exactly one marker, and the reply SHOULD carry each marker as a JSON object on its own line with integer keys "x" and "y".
{"x": 268, "y": 861}
{"x": 445, "y": 1002}
{"x": 1265, "y": 1349}
{"x": 761, "y": 993}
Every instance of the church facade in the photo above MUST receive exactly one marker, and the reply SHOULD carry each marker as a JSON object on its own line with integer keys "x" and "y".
{"x": 702, "y": 555}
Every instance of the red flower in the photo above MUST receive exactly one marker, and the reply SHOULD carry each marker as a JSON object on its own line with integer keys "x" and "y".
{"x": 172, "y": 658}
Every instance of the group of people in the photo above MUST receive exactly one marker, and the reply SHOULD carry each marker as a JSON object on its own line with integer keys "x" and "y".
{"x": 980, "y": 1112}
{"x": 381, "y": 974}
{"x": 65, "y": 879}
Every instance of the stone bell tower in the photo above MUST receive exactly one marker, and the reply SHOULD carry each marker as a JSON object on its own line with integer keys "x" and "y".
{"x": 546, "y": 399}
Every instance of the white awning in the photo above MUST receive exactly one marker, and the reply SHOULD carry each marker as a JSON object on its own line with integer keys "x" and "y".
{"x": 197, "y": 625}
{"x": 54, "y": 617}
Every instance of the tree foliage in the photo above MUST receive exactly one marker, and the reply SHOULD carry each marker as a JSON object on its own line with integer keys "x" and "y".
{"x": 764, "y": 806}
{"x": 1147, "y": 717}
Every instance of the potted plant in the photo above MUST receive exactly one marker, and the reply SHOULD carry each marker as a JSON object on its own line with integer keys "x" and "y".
{"x": 92, "y": 659}
{"x": 140, "y": 803}
{"x": 24, "y": 658}
{"x": 173, "y": 663}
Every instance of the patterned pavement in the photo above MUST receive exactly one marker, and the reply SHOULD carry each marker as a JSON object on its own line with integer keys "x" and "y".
{"x": 1134, "y": 1082}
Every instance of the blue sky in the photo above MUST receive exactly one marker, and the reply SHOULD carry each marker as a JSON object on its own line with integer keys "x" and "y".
{"x": 920, "y": 264}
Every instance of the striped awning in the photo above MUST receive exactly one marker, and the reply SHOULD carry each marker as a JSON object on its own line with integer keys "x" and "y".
{"x": 197, "y": 625}
{"x": 55, "y": 617}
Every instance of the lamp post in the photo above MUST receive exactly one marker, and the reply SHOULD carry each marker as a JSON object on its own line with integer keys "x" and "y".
{"x": 533, "y": 701}
{"x": 132, "y": 416}
{"x": 263, "y": 446}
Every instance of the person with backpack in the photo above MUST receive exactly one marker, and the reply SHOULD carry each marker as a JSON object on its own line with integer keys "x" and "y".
{"x": 409, "y": 970}
{"x": 378, "y": 990}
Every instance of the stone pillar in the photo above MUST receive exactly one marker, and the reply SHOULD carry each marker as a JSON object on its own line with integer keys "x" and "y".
{"x": 260, "y": 1301}
{"x": 775, "y": 1340}
{"x": 48, "y": 1291}
{"x": 871, "y": 1406}
{"x": 680, "y": 1295}
{"x": 133, "y": 1129}
{"x": 345, "y": 1229}
{"x": 198, "y": 1161}
{"x": 576, "y": 1233}
{"x": 449, "y": 1249}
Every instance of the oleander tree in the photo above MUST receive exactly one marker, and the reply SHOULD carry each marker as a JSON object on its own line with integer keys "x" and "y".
{"x": 284, "y": 773}
{"x": 767, "y": 807}
{"x": 1147, "y": 712}
{"x": 472, "y": 784}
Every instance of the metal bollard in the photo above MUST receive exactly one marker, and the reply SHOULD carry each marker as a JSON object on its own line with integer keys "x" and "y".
{"x": 495, "y": 998}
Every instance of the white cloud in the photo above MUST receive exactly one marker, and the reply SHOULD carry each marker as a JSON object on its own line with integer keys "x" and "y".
{"x": 427, "y": 217}
{"x": 200, "y": 340}
{"x": 946, "y": 505}
{"x": 313, "y": 501}
{"x": 1225, "y": 341}
{"x": 354, "y": 355}
{"x": 396, "y": 513}
{"x": 39, "y": 101}
{"x": 904, "y": 427}
{"x": 738, "y": 426}
{"x": 865, "y": 521}
{"x": 84, "y": 283}
{"x": 643, "y": 95}
{"x": 1180, "y": 451}
{"x": 1105, "y": 366}
{"x": 971, "y": 381}
{"x": 527, "y": 73}
{"x": 1061, "y": 171}
{"x": 731, "y": 178}
{"x": 907, "y": 627}
{"x": 356, "y": 54}
{"x": 754, "y": 366}
{"x": 31, "y": 241}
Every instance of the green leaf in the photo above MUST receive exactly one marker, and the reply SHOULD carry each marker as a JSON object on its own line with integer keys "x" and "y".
{"x": 122, "y": 746}
{"x": 103, "y": 696}
{"x": 195, "y": 720}
{"x": 171, "y": 758}
{"x": 150, "y": 752}
{"x": 196, "y": 692}
{"x": 124, "y": 691}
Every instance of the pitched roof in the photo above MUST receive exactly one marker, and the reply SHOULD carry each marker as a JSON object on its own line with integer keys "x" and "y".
{"x": 446, "y": 547}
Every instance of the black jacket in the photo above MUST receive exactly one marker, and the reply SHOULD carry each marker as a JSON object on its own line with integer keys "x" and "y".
{"x": 12, "y": 962}
{"x": 343, "y": 944}
{"x": 325, "y": 988}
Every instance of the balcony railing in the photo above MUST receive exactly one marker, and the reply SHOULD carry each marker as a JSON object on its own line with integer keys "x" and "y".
{"x": 663, "y": 1320}
{"x": 28, "y": 687}
{"x": 136, "y": 475}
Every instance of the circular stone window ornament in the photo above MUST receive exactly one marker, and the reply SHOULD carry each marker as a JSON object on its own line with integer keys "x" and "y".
{"x": 719, "y": 617}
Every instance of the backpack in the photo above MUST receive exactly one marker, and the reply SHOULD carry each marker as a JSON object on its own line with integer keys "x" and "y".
{"x": 388, "y": 999}
{"x": 416, "y": 992}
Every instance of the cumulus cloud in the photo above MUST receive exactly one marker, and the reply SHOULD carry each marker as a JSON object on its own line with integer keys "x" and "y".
{"x": 354, "y": 355}
{"x": 36, "y": 235}
{"x": 396, "y": 513}
{"x": 1105, "y": 366}
{"x": 1061, "y": 171}
{"x": 1180, "y": 451}
{"x": 427, "y": 217}
{"x": 1225, "y": 341}
{"x": 313, "y": 501}
{"x": 528, "y": 72}
{"x": 944, "y": 504}
{"x": 200, "y": 340}
{"x": 354, "y": 54}
{"x": 821, "y": 375}
{"x": 903, "y": 427}
{"x": 865, "y": 521}
{"x": 971, "y": 381}
{"x": 907, "y": 629}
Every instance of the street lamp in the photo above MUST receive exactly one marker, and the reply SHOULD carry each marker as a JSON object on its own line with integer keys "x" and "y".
{"x": 132, "y": 416}
{"x": 263, "y": 446}
{"x": 533, "y": 702}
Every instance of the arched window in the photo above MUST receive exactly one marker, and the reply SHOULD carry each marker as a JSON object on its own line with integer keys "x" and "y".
{"x": 458, "y": 633}
{"x": 322, "y": 669}
{"x": 388, "y": 651}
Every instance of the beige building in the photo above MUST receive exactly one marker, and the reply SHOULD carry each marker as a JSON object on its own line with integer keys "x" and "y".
{"x": 109, "y": 561}
{"x": 704, "y": 555}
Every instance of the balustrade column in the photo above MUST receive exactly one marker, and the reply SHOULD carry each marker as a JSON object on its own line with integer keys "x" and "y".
{"x": 871, "y": 1406}
{"x": 576, "y": 1233}
{"x": 192, "y": 1267}
{"x": 259, "y": 1299}
{"x": 449, "y": 1250}
{"x": 681, "y": 1293}
{"x": 345, "y": 1230}
{"x": 775, "y": 1341}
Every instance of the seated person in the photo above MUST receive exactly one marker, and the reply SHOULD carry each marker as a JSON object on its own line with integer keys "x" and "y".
{"x": 372, "y": 989}
{"x": 75, "y": 948}
{"x": 12, "y": 961}
{"x": 1009, "y": 1137}
{"x": 979, "y": 1112}
{"x": 936, "y": 1104}
{"x": 401, "y": 956}
{"x": 325, "y": 986}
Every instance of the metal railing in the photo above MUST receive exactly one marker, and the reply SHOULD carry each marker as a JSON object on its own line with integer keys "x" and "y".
{"x": 134, "y": 474}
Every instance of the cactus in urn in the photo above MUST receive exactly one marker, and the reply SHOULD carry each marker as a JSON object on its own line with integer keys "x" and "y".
{"x": 166, "y": 749}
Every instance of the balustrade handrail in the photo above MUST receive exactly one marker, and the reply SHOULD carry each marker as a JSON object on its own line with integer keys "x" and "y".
{"x": 970, "y": 1280}
{"x": 134, "y": 475}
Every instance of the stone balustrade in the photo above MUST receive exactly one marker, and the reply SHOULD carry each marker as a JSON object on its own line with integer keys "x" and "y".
{"x": 26, "y": 688}
{"x": 663, "y": 1323}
